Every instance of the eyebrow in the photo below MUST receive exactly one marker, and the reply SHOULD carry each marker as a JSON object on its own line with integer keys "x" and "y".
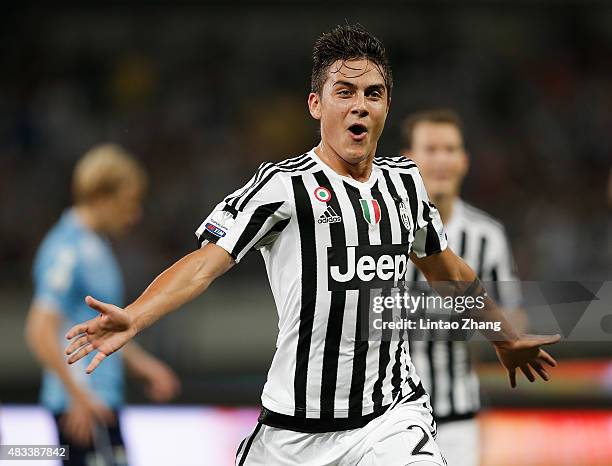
{"x": 344, "y": 83}
{"x": 376, "y": 87}
{"x": 372, "y": 87}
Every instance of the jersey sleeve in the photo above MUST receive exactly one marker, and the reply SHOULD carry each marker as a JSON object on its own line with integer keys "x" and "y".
{"x": 503, "y": 272}
{"x": 55, "y": 277}
{"x": 251, "y": 217}
{"x": 429, "y": 236}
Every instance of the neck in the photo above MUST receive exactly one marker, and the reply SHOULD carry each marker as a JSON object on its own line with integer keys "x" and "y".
{"x": 360, "y": 170}
{"x": 445, "y": 205}
{"x": 87, "y": 216}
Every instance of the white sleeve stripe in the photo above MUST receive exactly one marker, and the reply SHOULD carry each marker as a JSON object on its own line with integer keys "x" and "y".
{"x": 304, "y": 165}
{"x": 261, "y": 177}
{"x": 252, "y": 230}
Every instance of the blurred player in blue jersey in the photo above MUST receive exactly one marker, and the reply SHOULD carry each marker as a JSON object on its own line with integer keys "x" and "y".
{"x": 76, "y": 259}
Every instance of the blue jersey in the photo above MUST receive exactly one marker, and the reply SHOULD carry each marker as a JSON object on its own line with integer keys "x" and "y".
{"x": 71, "y": 263}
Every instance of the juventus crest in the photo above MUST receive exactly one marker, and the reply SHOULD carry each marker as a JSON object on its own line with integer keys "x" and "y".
{"x": 404, "y": 213}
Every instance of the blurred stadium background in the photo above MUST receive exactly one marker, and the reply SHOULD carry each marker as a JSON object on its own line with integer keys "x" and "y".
{"x": 203, "y": 94}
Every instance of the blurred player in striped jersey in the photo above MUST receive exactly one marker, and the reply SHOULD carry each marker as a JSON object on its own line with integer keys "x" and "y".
{"x": 329, "y": 223}
{"x": 433, "y": 139}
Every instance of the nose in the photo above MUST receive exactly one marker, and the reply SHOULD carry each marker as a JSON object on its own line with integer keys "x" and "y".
{"x": 360, "y": 108}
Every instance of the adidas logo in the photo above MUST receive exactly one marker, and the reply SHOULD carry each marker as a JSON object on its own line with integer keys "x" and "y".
{"x": 329, "y": 216}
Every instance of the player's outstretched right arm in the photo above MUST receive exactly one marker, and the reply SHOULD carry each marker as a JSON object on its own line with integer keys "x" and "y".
{"x": 178, "y": 284}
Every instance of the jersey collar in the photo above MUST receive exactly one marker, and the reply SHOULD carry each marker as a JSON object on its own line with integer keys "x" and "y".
{"x": 347, "y": 179}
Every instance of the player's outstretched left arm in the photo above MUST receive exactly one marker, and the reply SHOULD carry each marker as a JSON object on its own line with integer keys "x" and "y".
{"x": 448, "y": 274}
{"x": 114, "y": 327}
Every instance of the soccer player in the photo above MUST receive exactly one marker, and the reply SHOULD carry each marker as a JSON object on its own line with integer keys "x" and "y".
{"x": 433, "y": 140}
{"x": 328, "y": 223}
{"x": 74, "y": 259}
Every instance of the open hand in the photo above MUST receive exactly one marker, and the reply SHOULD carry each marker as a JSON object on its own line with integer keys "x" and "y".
{"x": 106, "y": 333}
{"x": 79, "y": 420}
{"x": 526, "y": 354}
{"x": 161, "y": 383}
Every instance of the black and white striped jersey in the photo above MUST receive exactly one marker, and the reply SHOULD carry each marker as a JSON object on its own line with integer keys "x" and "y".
{"x": 324, "y": 237}
{"x": 444, "y": 366}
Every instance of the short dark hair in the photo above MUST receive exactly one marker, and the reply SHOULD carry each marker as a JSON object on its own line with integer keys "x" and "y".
{"x": 348, "y": 42}
{"x": 436, "y": 115}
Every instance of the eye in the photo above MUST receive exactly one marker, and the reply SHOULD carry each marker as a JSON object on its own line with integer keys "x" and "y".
{"x": 344, "y": 93}
{"x": 375, "y": 94}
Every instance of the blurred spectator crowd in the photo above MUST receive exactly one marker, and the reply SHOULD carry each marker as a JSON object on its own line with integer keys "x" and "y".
{"x": 202, "y": 95}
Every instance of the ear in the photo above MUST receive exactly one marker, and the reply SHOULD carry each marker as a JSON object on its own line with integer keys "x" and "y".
{"x": 314, "y": 105}
{"x": 466, "y": 162}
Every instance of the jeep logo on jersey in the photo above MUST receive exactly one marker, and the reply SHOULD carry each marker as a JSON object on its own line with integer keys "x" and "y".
{"x": 370, "y": 210}
{"x": 371, "y": 266}
{"x": 322, "y": 194}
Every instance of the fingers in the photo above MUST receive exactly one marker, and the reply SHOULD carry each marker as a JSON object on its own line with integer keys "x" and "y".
{"x": 98, "y": 305}
{"x": 159, "y": 392}
{"x": 78, "y": 427}
{"x": 84, "y": 351}
{"x": 176, "y": 387}
{"x": 164, "y": 389}
{"x": 76, "y": 344}
{"x": 525, "y": 370}
{"x": 531, "y": 341}
{"x": 156, "y": 393}
{"x": 95, "y": 362}
{"x": 108, "y": 417}
{"x": 104, "y": 414}
{"x": 547, "y": 358}
{"x": 76, "y": 330}
{"x": 540, "y": 370}
{"x": 81, "y": 432}
{"x": 551, "y": 339}
{"x": 512, "y": 375}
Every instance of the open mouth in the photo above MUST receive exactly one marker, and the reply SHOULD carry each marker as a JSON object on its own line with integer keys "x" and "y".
{"x": 358, "y": 129}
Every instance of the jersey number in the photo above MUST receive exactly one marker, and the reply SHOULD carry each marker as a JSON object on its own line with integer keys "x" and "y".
{"x": 418, "y": 449}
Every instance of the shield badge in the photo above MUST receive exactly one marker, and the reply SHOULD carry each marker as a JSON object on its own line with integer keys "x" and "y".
{"x": 371, "y": 211}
